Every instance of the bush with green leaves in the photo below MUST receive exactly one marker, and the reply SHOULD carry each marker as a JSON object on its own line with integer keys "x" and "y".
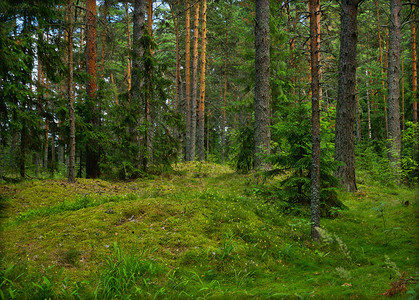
{"x": 372, "y": 160}
{"x": 410, "y": 154}
{"x": 241, "y": 148}
{"x": 292, "y": 157}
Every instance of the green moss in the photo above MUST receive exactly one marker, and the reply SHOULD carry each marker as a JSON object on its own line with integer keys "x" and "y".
{"x": 208, "y": 232}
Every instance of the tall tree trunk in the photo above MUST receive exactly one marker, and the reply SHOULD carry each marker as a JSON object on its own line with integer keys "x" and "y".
{"x": 346, "y": 102}
{"x": 137, "y": 96}
{"x": 223, "y": 112}
{"x": 105, "y": 16}
{"x": 149, "y": 87}
{"x": 414, "y": 70}
{"x": 262, "y": 134}
{"x": 92, "y": 148}
{"x": 292, "y": 24}
{"x": 188, "y": 113}
{"x": 194, "y": 98}
{"x": 60, "y": 148}
{"x": 368, "y": 106}
{"x": 201, "y": 107}
{"x": 129, "y": 50}
{"x": 46, "y": 142}
{"x": 22, "y": 150}
{"x": 72, "y": 143}
{"x": 177, "y": 77}
{"x": 315, "y": 117}
{"x": 382, "y": 66}
{"x": 402, "y": 79}
{"x": 358, "y": 119}
{"x": 53, "y": 162}
{"x": 393, "y": 75}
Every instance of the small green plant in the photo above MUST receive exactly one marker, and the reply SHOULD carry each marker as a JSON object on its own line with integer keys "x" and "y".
{"x": 71, "y": 292}
{"x": 392, "y": 266}
{"x": 8, "y": 289}
{"x": 285, "y": 252}
{"x": 335, "y": 239}
{"x": 227, "y": 247}
{"x": 126, "y": 275}
{"x": 44, "y": 290}
{"x": 343, "y": 273}
{"x": 381, "y": 214}
{"x": 242, "y": 277}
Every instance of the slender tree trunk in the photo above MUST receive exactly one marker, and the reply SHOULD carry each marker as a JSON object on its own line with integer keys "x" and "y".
{"x": 72, "y": 143}
{"x": 194, "y": 98}
{"x": 137, "y": 96}
{"x": 262, "y": 134}
{"x": 13, "y": 149}
{"x": 22, "y": 151}
{"x": 149, "y": 88}
{"x": 105, "y": 16}
{"x": 53, "y": 160}
{"x": 346, "y": 102}
{"x": 402, "y": 79}
{"x": 201, "y": 107}
{"x": 315, "y": 111}
{"x": 358, "y": 120}
{"x": 60, "y": 150}
{"x": 36, "y": 158}
{"x": 92, "y": 148}
{"x": 393, "y": 75}
{"x": 414, "y": 69}
{"x": 177, "y": 78}
{"x": 116, "y": 92}
{"x": 46, "y": 142}
{"x": 223, "y": 112}
{"x": 188, "y": 111}
{"x": 129, "y": 49}
{"x": 292, "y": 29}
{"x": 382, "y": 66}
{"x": 368, "y": 106}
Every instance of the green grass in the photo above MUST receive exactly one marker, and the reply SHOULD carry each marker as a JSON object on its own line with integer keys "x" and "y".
{"x": 200, "y": 232}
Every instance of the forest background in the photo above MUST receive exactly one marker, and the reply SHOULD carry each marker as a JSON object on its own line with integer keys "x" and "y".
{"x": 129, "y": 90}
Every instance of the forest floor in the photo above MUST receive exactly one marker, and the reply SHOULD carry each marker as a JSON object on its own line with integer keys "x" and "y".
{"x": 201, "y": 231}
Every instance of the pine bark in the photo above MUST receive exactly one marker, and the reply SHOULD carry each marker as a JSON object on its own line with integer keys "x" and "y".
{"x": 177, "y": 76}
{"x": 201, "y": 107}
{"x": 46, "y": 143}
{"x": 223, "y": 112}
{"x": 149, "y": 87}
{"x": 315, "y": 117}
{"x": 137, "y": 95}
{"x": 92, "y": 148}
{"x": 105, "y": 15}
{"x": 382, "y": 67}
{"x": 72, "y": 141}
{"x": 194, "y": 88}
{"x": 188, "y": 152}
{"x": 262, "y": 85}
{"x": 129, "y": 49}
{"x": 393, "y": 83}
{"x": 346, "y": 102}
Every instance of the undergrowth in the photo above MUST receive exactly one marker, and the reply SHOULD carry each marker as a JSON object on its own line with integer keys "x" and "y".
{"x": 201, "y": 232}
